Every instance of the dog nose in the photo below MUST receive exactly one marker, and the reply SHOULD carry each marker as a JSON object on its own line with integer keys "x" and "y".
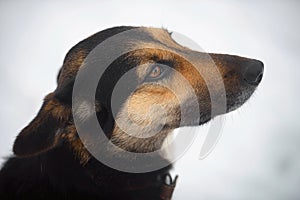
{"x": 254, "y": 72}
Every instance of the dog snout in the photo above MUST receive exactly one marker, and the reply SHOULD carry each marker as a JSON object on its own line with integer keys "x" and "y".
{"x": 253, "y": 72}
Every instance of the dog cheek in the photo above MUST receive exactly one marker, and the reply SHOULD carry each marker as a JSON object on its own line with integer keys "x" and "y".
{"x": 153, "y": 104}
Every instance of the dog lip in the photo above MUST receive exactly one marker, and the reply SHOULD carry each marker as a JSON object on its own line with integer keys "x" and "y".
{"x": 236, "y": 101}
{"x": 205, "y": 120}
{"x": 169, "y": 126}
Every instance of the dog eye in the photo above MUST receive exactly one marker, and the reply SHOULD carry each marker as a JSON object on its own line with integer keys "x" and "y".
{"x": 158, "y": 71}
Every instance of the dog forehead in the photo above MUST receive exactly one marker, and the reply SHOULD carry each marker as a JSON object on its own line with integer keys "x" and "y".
{"x": 157, "y": 38}
{"x": 157, "y": 35}
{"x": 142, "y": 38}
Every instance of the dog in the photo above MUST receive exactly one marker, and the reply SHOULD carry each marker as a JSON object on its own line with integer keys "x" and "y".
{"x": 52, "y": 161}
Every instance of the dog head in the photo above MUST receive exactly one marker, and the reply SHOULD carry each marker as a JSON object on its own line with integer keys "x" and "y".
{"x": 166, "y": 86}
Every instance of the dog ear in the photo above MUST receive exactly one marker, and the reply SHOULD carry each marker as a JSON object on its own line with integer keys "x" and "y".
{"x": 41, "y": 134}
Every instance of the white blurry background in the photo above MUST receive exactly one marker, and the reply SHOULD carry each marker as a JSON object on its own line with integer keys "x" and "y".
{"x": 257, "y": 157}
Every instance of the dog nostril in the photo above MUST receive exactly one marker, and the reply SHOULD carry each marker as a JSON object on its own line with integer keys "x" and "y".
{"x": 259, "y": 78}
{"x": 254, "y": 72}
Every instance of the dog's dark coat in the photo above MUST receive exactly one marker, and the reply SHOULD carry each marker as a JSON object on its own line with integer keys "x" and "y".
{"x": 58, "y": 174}
{"x": 46, "y": 167}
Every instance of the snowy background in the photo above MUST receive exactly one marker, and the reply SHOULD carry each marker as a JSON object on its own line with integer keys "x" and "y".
{"x": 257, "y": 157}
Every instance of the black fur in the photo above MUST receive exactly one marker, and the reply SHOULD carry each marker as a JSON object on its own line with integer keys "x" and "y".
{"x": 56, "y": 173}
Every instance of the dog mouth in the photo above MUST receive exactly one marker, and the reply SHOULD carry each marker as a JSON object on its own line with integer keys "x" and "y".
{"x": 236, "y": 100}
{"x": 233, "y": 101}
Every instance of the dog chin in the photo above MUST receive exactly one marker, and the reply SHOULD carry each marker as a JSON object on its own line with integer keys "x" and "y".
{"x": 238, "y": 100}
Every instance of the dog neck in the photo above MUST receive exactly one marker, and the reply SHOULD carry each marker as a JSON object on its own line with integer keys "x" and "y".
{"x": 112, "y": 179}
{"x": 98, "y": 176}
